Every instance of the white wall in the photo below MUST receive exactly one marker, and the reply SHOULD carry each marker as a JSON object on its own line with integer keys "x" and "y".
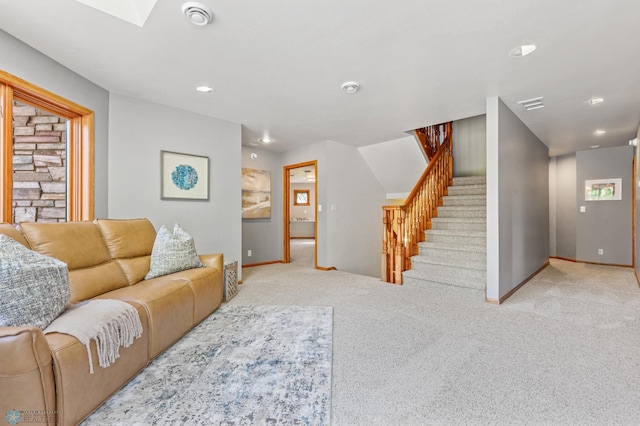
{"x": 517, "y": 201}
{"x": 470, "y": 146}
{"x": 138, "y": 131}
{"x": 30, "y": 65}
{"x": 306, "y": 212}
{"x": 397, "y": 164}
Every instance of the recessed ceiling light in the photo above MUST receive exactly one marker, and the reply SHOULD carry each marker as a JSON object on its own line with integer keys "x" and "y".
{"x": 531, "y": 104}
{"x": 599, "y": 132}
{"x": 594, "y": 146}
{"x": 595, "y": 101}
{"x": 197, "y": 13}
{"x": 350, "y": 87}
{"x": 204, "y": 89}
{"x": 266, "y": 139}
{"x": 253, "y": 144}
{"x": 524, "y": 50}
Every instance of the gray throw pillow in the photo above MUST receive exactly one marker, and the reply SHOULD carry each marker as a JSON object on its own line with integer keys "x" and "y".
{"x": 34, "y": 288}
{"x": 173, "y": 253}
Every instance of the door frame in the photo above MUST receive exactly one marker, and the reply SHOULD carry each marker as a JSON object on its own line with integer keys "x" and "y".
{"x": 287, "y": 211}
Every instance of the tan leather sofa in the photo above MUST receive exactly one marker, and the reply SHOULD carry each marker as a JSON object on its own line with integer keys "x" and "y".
{"x": 48, "y": 375}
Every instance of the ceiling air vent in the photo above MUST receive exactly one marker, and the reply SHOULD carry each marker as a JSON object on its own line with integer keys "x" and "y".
{"x": 531, "y": 104}
{"x": 197, "y": 13}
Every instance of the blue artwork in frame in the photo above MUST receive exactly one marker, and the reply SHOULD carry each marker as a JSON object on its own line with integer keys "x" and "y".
{"x": 183, "y": 176}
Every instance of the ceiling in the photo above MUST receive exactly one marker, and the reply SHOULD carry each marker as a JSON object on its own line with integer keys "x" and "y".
{"x": 277, "y": 66}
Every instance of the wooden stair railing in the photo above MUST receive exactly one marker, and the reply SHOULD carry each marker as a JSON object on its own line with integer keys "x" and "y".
{"x": 431, "y": 137}
{"x": 404, "y": 225}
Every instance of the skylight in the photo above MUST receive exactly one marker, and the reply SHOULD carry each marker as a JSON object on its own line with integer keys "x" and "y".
{"x": 133, "y": 11}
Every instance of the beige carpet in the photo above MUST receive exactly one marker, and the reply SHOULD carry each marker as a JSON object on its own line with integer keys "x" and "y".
{"x": 564, "y": 350}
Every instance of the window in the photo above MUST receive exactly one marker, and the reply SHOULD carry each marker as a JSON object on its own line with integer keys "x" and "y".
{"x": 301, "y": 197}
{"x": 79, "y": 185}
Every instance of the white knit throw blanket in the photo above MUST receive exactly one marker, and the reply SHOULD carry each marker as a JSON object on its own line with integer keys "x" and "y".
{"x": 111, "y": 323}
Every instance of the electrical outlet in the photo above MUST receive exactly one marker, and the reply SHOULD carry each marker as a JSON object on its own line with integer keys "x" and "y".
{"x": 249, "y": 253}
{"x": 601, "y": 252}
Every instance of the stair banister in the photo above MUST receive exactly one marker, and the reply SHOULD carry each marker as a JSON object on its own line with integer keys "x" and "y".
{"x": 404, "y": 225}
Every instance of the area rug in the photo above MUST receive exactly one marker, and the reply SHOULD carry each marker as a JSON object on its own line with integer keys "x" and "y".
{"x": 243, "y": 365}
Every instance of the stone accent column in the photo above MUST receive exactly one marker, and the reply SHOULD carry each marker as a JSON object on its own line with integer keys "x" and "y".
{"x": 39, "y": 165}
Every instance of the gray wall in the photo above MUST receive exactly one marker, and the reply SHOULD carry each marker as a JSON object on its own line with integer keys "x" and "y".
{"x": 318, "y": 152}
{"x": 349, "y": 235}
{"x": 138, "y": 130}
{"x": 470, "y": 146}
{"x": 563, "y": 195}
{"x": 605, "y": 224}
{"x": 27, "y": 63}
{"x": 264, "y": 237}
{"x": 637, "y": 201}
{"x": 354, "y": 218}
{"x": 517, "y": 201}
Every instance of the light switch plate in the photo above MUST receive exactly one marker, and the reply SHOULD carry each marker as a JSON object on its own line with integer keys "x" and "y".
{"x": 583, "y": 209}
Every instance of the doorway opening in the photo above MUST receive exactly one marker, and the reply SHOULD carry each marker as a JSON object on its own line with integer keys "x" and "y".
{"x": 300, "y": 214}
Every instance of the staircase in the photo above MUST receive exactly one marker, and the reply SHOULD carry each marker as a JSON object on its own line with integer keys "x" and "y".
{"x": 455, "y": 250}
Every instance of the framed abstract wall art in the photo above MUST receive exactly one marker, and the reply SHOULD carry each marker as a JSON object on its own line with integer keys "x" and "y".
{"x": 603, "y": 189}
{"x": 183, "y": 176}
{"x": 256, "y": 194}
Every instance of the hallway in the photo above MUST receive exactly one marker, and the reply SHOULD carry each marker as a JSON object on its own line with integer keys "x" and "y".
{"x": 303, "y": 252}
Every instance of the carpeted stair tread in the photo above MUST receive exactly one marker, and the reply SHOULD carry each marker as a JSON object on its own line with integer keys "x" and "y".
{"x": 454, "y": 263}
{"x": 469, "y": 180}
{"x": 454, "y": 254}
{"x": 455, "y": 232}
{"x": 460, "y": 223}
{"x": 433, "y": 245}
{"x": 419, "y": 278}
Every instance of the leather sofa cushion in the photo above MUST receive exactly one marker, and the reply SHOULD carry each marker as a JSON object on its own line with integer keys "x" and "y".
{"x": 81, "y": 246}
{"x": 169, "y": 305}
{"x": 79, "y": 392}
{"x": 26, "y": 372}
{"x": 78, "y": 244}
{"x": 207, "y": 286}
{"x": 87, "y": 283}
{"x": 8, "y": 230}
{"x": 130, "y": 242}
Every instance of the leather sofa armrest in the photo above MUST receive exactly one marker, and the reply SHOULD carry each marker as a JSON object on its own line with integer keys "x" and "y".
{"x": 26, "y": 373}
{"x": 213, "y": 261}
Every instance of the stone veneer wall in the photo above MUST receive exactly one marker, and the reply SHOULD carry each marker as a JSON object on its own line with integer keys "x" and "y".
{"x": 39, "y": 165}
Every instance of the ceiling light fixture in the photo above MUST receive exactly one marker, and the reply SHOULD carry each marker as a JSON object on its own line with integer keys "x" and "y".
{"x": 633, "y": 142}
{"x": 531, "y": 104}
{"x": 350, "y": 87}
{"x": 599, "y": 132}
{"x": 524, "y": 50}
{"x": 197, "y": 13}
{"x": 266, "y": 139}
{"x": 204, "y": 89}
{"x": 595, "y": 101}
{"x": 594, "y": 146}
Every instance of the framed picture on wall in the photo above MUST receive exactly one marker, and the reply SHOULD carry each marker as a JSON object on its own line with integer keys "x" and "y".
{"x": 183, "y": 176}
{"x": 603, "y": 189}
{"x": 256, "y": 194}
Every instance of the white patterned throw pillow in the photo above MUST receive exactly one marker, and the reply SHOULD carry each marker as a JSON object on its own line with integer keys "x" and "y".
{"x": 34, "y": 288}
{"x": 173, "y": 253}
